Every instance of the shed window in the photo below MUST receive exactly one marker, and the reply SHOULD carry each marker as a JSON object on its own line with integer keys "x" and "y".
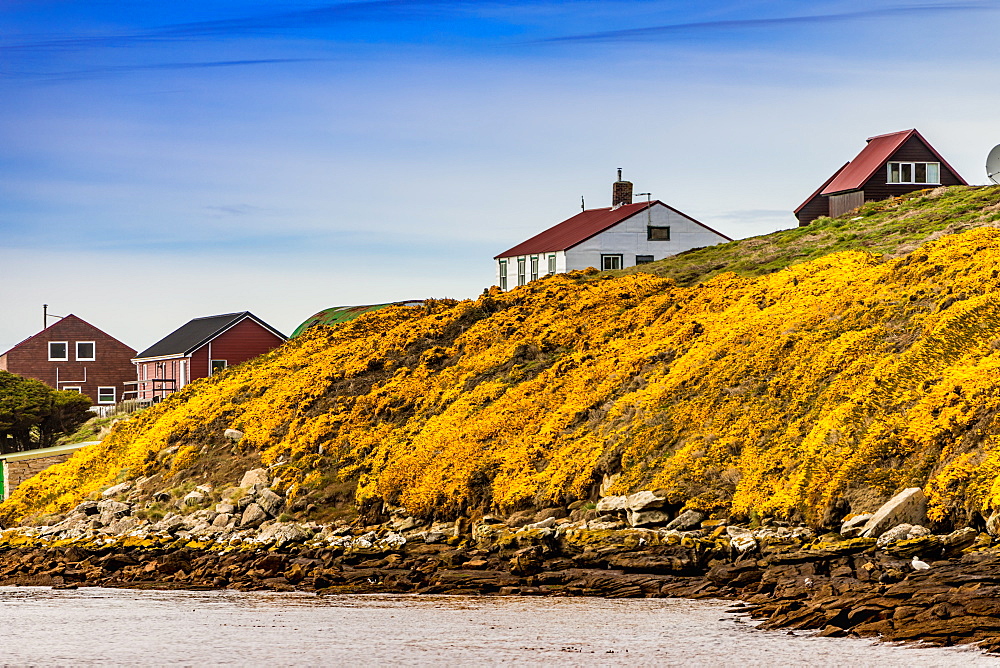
{"x": 643, "y": 259}
{"x": 609, "y": 262}
{"x": 534, "y": 267}
{"x": 85, "y": 351}
{"x": 521, "y": 276}
{"x": 914, "y": 172}
{"x": 105, "y": 395}
{"x": 58, "y": 351}
{"x": 552, "y": 264}
{"x": 657, "y": 234}
{"x": 503, "y": 274}
{"x": 218, "y": 365}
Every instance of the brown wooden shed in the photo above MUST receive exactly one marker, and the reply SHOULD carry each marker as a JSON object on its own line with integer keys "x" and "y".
{"x": 889, "y": 165}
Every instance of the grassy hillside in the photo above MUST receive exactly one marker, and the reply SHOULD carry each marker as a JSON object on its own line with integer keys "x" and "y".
{"x": 803, "y": 393}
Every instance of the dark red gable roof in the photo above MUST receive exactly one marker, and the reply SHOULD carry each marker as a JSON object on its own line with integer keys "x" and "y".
{"x": 879, "y": 149}
{"x": 583, "y": 226}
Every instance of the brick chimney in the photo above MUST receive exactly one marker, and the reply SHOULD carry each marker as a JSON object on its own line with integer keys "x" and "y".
{"x": 621, "y": 191}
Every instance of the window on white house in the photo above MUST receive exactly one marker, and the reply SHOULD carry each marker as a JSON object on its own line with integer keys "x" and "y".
{"x": 534, "y": 267}
{"x": 85, "y": 351}
{"x": 657, "y": 234}
{"x": 218, "y": 365}
{"x": 521, "y": 276}
{"x": 503, "y": 274}
{"x": 552, "y": 264}
{"x": 914, "y": 172}
{"x": 105, "y": 395}
{"x": 58, "y": 351}
{"x": 609, "y": 262}
{"x": 643, "y": 259}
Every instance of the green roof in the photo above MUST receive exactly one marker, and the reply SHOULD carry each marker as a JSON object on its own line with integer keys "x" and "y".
{"x": 339, "y": 314}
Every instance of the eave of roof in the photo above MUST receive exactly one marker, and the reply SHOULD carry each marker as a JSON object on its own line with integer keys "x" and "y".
{"x": 196, "y": 333}
{"x": 875, "y": 154}
{"x": 584, "y": 225}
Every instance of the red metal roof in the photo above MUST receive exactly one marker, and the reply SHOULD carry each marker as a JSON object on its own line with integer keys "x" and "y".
{"x": 879, "y": 149}
{"x": 583, "y": 226}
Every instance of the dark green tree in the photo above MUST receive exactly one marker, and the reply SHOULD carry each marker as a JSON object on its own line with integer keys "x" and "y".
{"x": 33, "y": 415}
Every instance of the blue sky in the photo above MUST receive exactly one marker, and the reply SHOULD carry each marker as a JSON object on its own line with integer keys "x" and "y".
{"x": 164, "y": 161}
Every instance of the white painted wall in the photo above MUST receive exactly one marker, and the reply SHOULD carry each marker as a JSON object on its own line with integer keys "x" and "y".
{"x": 627, "y": 238}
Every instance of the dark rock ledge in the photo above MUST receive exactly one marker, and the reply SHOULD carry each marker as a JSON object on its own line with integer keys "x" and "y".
{"x": 882, "y": 575}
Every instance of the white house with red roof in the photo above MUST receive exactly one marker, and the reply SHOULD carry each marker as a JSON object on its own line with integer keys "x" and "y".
{"x": 622, "y": 235}
{"x": 889, "y": 165}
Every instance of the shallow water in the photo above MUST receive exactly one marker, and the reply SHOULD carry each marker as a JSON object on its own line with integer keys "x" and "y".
{"x": 101, "y": 627}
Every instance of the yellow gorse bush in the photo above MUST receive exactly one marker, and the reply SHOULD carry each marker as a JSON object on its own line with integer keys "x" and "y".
{"x": 777, "y": 395}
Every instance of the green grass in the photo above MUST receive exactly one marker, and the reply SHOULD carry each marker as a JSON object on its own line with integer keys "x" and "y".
{"x": 890, "y": 228}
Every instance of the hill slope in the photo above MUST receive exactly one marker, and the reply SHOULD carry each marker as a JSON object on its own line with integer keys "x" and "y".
{"x": 804, "y": 393}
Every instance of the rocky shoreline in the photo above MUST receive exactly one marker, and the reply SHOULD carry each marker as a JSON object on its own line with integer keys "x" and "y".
{"x": 896, "y": 581}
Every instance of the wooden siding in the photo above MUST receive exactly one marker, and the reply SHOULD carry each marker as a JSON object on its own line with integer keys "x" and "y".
{"x": 112, "y": 365}
{"x": 240, "y": 343}
{"x": 913, "y": 150}
{"x": 844, "y": 202}
{"x": 816, "y": 207}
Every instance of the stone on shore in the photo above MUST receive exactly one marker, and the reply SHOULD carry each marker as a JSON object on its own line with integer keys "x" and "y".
{"x": 233, "y": 435}
{"x": 686, "y": 521}
{"x": 851, "y": 528}
{"x": 270, "y": 502}
{"x": 610, "y": 504}
{"x": 645, "y": 500}
{"x": 255, "y": 477}
{"x": 120, "y": 488}
{"x": 645, "y": 518}
{"x": 907, "y": 507}
{"x": 253, "y": 516}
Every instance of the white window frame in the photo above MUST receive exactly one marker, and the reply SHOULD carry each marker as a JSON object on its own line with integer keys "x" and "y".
{"x": 552, "y": 264}
{"x": 73, "y": 388}
{"x": 86, "y": 359}
{"x": 611, "y": 256}
{"x": 114, "y": 395}
{"x": 211, "y": 366}
{"x": 503, "y": 274}
{"x": 534, "y": 267}
{"x": 521, "y": 271}
{"x": 913, "y": 173}
{"x": 65, "y": 357}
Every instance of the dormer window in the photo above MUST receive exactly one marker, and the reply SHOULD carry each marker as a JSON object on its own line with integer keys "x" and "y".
{"x": 914, "y": 172}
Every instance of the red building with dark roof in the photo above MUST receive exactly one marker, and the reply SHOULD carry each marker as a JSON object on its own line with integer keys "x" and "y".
{"x": 615, "y": 237}
{"x": 73, "y": 355}
{"x": 200, "y": 348}
{"x": 890, "y": 165}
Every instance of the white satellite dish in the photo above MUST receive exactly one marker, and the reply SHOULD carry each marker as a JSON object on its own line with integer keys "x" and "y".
{"x": 993, "y": 165}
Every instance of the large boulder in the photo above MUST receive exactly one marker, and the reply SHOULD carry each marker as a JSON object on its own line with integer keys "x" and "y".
{"x": 112, "y": 510}
{"x": 120, "y": 488}
{"x": 255, "y": 477}
{"x": 852, "y": 527}
{"x": 271, "y": 503}
{"x": 689, "y": 519}
{"x": 609, "y": 504}
{"x": 907, "y": 507}
{"x": 253, "y": 516}
{"x": 233, "y": 435}
{"x": 645, "y": 518}
{"x": 645, "y": 500}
